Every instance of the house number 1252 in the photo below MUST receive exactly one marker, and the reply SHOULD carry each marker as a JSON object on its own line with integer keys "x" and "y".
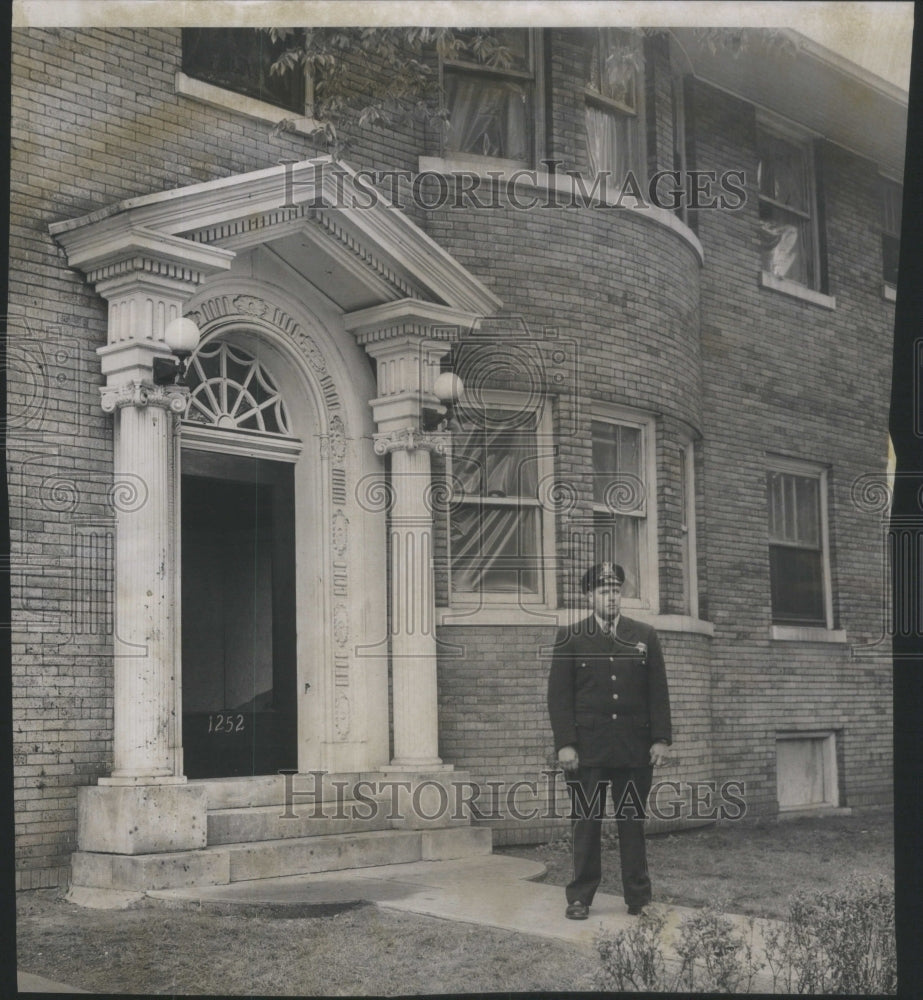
{"x": 225, "y": 723}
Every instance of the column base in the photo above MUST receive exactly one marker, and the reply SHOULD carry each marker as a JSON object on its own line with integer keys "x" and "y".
{"x": 148, "y": 819}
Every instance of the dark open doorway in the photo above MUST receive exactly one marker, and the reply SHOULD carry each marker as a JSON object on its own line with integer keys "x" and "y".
{"x": 238, "y": 616}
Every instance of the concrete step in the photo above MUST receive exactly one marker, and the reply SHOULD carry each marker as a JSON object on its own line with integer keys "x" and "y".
{"x": 245, "y": 826}
{"x": 312, "y": 786}
{"x": 226, "y": 863}
{"x": 353, "y": 850}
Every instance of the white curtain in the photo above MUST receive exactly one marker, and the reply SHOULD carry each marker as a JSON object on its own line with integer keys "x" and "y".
{"x": 609, "y": 137}
{"x": 487, "y": 117}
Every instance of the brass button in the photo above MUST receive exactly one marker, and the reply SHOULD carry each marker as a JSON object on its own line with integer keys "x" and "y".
{"x": 612, "y": 659}
{"x": 615, "y": 696}
{"x": 614, "y": 716}
{"x": 613, "y": 676}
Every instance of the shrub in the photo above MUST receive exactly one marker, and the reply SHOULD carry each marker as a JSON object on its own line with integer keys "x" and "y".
{"x": 831, "y": 942}
{"x": 716, "y": 958}
{"x": 633, "y": 959}
{"x": 838, "y": 941}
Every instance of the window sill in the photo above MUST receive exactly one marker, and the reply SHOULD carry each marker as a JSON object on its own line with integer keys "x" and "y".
{"x": 478, "y": 615}
{"x": 565, "y": 187}
{"x": 470, "y": 163}
{"x": 485, "y": 614}
{"x": 228, "y": 100}
{"x": 796, "y": 291}
{"x": 806, "y": 633}
{"x": 889, "y": 293}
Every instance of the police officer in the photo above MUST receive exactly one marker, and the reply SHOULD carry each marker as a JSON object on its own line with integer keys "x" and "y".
{"x": 610, "y": 714}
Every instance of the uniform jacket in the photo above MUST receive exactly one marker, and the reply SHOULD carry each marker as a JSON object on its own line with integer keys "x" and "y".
{"x": 607, "y": 697}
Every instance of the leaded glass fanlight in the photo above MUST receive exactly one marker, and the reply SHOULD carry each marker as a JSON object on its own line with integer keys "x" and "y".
{"x": 230, "y": 388}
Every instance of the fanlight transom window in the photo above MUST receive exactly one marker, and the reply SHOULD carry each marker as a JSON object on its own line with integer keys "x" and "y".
{"x": 231, "y": 388}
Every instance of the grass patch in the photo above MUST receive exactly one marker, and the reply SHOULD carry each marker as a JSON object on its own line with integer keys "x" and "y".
{"x": 755, "y": 867}
{"x": 364, "y": 951}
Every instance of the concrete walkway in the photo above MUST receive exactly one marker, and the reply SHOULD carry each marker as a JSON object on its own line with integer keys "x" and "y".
{"x": 490, "y": 890}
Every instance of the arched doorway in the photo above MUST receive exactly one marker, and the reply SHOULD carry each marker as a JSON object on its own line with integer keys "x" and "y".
{"x": 238, "y": 580}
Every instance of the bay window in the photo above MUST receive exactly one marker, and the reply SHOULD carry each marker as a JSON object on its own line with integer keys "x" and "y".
{"x": 492, "y": 94}
{"x": 623, "y": 506}
{"x": 613, "y": 126}
{"x": 497, "y": 527}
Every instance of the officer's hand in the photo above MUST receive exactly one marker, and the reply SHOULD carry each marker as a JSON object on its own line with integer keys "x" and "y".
{"x": 568, "y": 758}
{"x": 658, "y": 754}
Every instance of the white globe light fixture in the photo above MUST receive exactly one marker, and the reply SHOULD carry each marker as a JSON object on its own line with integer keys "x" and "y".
{"x": 447, "y": 388}
{"x": 181, "y": 336}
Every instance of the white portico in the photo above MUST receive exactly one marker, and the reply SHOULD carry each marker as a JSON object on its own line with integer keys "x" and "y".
{"x": 323, "y": 326}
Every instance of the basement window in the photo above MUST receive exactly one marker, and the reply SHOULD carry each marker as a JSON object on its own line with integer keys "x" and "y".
{"x": 806, "y": 771}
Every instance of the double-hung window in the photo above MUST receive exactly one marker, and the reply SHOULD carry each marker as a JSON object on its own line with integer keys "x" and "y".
{"x": 497, "y": 527}
{"x": 613, "y": 94}
{"x": 493, "y": 103}
{"x": 623, "y": 504}
{"x": 798, "y": 550}
{"x": 240, "y": 60}
{"x": 892, "y": 197}
{"x": 787, "y": 206}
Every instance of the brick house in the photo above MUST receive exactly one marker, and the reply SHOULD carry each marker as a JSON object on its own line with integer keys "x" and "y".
{"x": 292, "y": 565}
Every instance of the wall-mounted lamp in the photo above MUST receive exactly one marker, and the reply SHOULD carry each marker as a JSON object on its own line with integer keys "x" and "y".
{"x": 448, "y": 389}
{"x": 181, "y": 336}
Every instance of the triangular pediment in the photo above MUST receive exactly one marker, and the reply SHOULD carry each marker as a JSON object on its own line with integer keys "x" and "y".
{"x": 317, "y": 216}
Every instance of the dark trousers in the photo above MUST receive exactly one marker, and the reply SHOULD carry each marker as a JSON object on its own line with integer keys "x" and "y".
{"x": 630, "y": 787}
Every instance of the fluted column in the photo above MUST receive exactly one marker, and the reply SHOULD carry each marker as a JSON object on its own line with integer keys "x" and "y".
{"x": 413, "y": 636}
{"x": 407, "y": 340}
{"x": 146, "y": 736}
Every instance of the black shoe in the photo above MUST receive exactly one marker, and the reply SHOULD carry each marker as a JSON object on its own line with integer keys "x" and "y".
{"x": 577, "y": 911}
{"x": 635, "y": 910}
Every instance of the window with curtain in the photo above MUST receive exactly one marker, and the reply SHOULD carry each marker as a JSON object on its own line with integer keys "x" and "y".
{"x": 491, "y": 102}
{"x": 797, "y": 548}
{"x": 620, "y": 501}
{"x": 240, "y": 59}
{"x": 495, "y": 530}
{"x": 613, "y": 128}
{"x": 788, "y": 239}
{"x": 892, "y": 198}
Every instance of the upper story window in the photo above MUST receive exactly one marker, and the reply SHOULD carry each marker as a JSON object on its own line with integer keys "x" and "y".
{"x": 623, "y": 481}
{"x": 240, "y": 60}
{"x": 494, "y": 102}
{"x": 613, "y": 103}
{"x": 892, "y": 195}
{"x": 787, "y": 205}
{"x": 497, "y": 528}
{"x": 799, "y": 563}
